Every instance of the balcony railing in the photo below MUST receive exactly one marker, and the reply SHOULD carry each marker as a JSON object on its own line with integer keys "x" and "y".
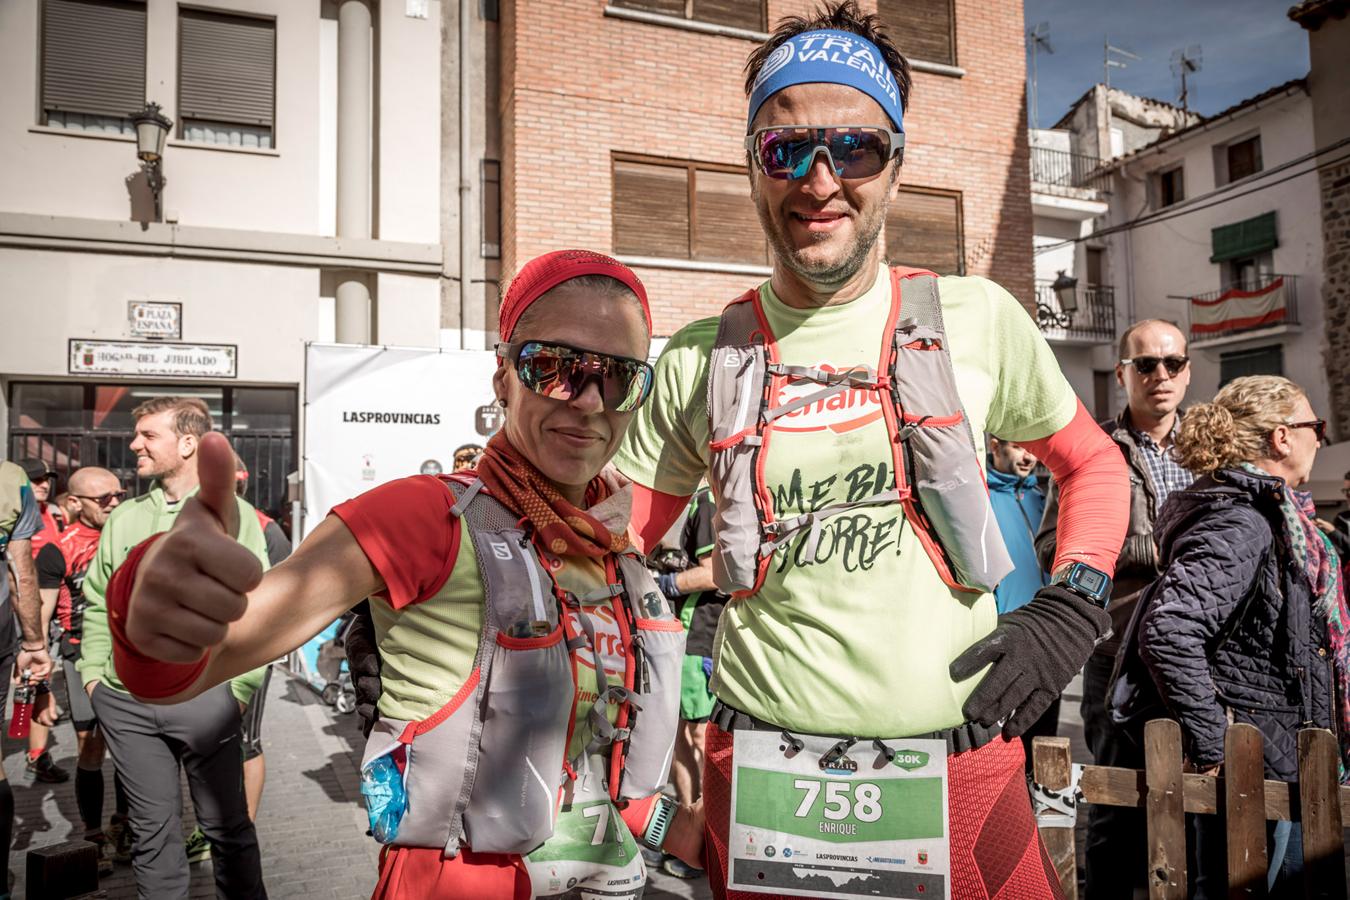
{"x": 1094, "y": 322}
{"x": 1262, "y": 302}
{"x": 1062, "y": 169}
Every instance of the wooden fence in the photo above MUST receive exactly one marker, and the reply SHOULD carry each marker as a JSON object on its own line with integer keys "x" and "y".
{"x": 1241, "y": 796}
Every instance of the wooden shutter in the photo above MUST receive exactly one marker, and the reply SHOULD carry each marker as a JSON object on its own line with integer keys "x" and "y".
{"x": 923, "y": 228}
{"x": 1246, "y": 238}
{"x": 651, "y": 210}
{"x": 664, "y": 7}
{"x": 226, "y": 68}
{"x": 747, "y": 14}
{"x": 922, "y": 29}
{"x": 726, "y": 226}
{"x": 93, "y": 57}
{"x": 1244, "y": 158}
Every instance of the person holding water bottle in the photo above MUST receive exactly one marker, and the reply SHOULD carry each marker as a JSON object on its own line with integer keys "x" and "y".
{"x": 530, "y": 665}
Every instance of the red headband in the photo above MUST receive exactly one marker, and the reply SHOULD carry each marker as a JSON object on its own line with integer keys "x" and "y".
{"x": 543, "y": 273}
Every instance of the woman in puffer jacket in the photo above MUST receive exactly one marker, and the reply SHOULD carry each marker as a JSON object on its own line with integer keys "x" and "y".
{"x": 1248, "y": 621}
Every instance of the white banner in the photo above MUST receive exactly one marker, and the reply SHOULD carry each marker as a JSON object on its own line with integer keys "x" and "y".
{"x": 373, "y": 414}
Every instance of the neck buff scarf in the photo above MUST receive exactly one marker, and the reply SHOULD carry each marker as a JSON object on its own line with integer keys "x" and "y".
{"x": 559, "y": 527}
{"x": 828, "y": 56}
{"x": 1316, "y": 563}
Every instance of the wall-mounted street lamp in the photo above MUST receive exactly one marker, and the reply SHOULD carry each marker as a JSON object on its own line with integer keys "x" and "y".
{"x": 1065, "y": 288}
{"x": 152, "y": 129}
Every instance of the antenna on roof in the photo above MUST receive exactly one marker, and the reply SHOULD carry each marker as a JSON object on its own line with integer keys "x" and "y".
{"x": 1109, "y": 63}
{"x": 1185, "y": 63}
{"x": 1038, "y": 39}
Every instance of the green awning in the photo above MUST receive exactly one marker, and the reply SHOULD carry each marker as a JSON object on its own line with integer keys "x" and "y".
{"x": 1245, "y": 238}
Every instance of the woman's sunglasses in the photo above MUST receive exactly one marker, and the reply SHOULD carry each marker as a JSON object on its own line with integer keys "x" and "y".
{"x": 1319, "y": 427}
{"x": 854, "y": 151}
{"x": 1147, "y": 365}
{"x": 560, "y": 372}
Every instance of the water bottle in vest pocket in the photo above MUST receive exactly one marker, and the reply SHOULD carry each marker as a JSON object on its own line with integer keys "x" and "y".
{"x": 658, "y": 655}
{"x": 734, "y": 451}
{"x": 942, "y": 466}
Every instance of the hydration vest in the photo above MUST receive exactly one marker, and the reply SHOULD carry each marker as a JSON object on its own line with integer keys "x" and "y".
{"x": 938, "y": 479}
{"x": 488, "y": 770}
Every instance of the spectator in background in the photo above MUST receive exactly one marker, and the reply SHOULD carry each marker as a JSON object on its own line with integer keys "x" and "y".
{"x": 61, "y": 565}
{"x": 1154, "y": 371}
{"x": 43, "y": 480}
{"x": 255, "y": 766}
{"x": 694, "y": 596}
{"x": 1248, "y": 622}
{"x": 1339, "y": 528}
{"x": 1019, "y": 503}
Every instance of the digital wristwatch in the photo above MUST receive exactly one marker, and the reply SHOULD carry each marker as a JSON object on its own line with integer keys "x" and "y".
{"x": 1091, "y": 584}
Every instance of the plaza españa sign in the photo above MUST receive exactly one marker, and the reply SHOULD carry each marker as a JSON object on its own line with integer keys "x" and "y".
{"x": 160, "y": 358}
{"x": 155, "y": 319}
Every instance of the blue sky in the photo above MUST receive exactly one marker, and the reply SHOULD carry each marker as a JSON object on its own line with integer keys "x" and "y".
{"x": 1248, "y": 46}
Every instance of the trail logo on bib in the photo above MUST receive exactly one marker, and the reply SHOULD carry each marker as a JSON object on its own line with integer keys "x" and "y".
{"x": 910, "y": 759}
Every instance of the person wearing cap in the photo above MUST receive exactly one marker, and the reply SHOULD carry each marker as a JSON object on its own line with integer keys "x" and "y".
{"x": 530, "y": 664}
{"x": 863, "y": 640}
{"x": 44, "y": 480}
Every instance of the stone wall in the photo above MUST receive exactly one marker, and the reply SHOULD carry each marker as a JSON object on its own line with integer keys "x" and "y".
{"x": 1335, "y": 183}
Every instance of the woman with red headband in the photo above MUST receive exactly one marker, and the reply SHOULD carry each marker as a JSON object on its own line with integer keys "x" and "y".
{"x": 531, "y": 669}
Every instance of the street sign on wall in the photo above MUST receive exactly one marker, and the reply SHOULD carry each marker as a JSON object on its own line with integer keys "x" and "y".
{"x": 160, "y": 358}
{"x": 155, "y": 319}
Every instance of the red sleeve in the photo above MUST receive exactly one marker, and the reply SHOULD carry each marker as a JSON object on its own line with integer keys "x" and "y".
{"x": 407, "y": 532}
{"x": 1094, "y": 492}
{"x": 637, "y": 813}
{"x": 145, "y": 677}
{"x": 653, "y": 513}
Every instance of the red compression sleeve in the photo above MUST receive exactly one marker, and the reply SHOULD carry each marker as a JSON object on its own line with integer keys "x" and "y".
{"x": 637, "y": 813}
{"x": 653, "y": 513}
{"x": 1094, "y": 492}
{"x": 144, "y": 676}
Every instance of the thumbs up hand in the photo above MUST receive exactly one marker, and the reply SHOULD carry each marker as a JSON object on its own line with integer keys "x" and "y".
{"x": 192, "y": 582}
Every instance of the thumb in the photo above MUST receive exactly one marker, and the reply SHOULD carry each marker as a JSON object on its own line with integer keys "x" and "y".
{"x": 215, "y": 471}
{"x": 975, "y": 658}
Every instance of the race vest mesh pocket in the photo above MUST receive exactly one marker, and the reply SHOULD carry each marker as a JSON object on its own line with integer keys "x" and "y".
{"x": 734, "y": 402}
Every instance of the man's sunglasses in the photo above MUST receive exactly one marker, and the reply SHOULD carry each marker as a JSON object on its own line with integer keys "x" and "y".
{"x": 854, "y": 151}
{"x": 1147, "y": 365}
{"x": 104, "y": 499}
{"x": 1319, "y": 427}
{"x": 560, "y": 372}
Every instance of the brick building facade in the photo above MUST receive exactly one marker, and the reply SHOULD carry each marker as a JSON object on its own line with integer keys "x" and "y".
{"x": 622, "y": 127}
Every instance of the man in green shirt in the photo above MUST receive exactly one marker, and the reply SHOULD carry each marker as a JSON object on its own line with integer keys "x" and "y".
{"x": 148, "y": 742}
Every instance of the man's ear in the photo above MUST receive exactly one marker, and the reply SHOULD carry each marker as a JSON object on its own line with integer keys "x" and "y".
{"x": 187, "y": 445}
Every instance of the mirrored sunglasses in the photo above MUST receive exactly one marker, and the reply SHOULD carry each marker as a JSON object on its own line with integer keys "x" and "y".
{"x": 560, "y": 372}
{"x": 854, "y": 151}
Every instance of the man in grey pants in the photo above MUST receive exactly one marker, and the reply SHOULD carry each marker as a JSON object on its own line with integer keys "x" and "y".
{"x": 149, "y": 743}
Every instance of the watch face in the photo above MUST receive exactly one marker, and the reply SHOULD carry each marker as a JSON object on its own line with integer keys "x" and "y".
{"x": 1090, "y": 581}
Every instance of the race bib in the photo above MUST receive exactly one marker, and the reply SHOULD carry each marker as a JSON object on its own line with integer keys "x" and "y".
{"x": 864, "y": 822}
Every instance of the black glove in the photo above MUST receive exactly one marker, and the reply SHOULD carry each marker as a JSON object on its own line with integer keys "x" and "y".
{"x": 1036, "y": 650}
{"x": 364, "y": 663}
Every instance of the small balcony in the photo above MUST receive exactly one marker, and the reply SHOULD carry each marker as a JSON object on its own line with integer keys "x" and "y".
{"x": 1094, "y": 322}
{"x": 1059, "y": 171}
{"x": 1261, "y": 304}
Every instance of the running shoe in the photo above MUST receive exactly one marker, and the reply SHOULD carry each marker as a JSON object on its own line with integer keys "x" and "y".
{"x": 197, "y": 846}
{"x": 681, "y": 869}
{"x": 44, "y": 769}
{"x": 119, "y": 836}
{"x": 104, "y": 848}
{"x": 653, "y": 858}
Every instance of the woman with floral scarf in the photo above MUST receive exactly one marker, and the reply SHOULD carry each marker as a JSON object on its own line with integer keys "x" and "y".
{"x": 530, "y": 665}
{"x": 1248, "y": 622}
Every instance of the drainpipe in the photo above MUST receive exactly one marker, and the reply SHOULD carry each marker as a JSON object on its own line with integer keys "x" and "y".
{"x": 353, "y": 162}
{"x": 471, "y": 325}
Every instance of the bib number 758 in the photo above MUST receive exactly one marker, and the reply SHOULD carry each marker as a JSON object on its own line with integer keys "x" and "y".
{"x": 862, "y": 800}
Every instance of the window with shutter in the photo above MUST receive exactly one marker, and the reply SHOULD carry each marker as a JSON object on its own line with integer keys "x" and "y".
{"x": 93, "y": 64}
{"x": 922, "y": 29}
{"x": 651, "y": 210}
{"x": 685, "y": 210}
{"x": 923, "y": 229}
{"x": 226, "y": 78}
{"x": 1244, "y": 158}
{"x": 746, "y": 14}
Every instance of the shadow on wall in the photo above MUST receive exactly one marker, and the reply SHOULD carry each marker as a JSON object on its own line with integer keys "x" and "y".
{"x": 140, "y": 199}
{"x": 1012, "y": 258}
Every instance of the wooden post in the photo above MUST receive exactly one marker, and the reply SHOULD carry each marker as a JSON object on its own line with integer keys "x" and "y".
{"x": 1166, "y": 811}
{"x": 1052, "y": 766}
{"x": 1319, "y": 791}
{"x": 1244, "y": 780}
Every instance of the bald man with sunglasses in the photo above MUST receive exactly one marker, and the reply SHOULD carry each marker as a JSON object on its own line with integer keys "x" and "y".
{"x": 1155, "y": 371}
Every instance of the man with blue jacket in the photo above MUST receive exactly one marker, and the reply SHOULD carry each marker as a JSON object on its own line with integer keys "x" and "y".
{"x": 1019, "y": 503}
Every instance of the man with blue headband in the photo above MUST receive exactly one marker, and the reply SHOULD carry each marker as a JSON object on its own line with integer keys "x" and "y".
{"x": 869, "y": 697}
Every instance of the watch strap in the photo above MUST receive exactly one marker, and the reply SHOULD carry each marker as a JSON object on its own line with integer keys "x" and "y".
{"x": 663, "y": 813}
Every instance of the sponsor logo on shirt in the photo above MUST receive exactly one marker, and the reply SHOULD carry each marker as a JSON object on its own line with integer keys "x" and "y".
{"x": 845, "y": 411}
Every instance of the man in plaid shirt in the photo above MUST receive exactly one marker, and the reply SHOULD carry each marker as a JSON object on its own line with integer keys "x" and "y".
{"x": 1154, "y": 370}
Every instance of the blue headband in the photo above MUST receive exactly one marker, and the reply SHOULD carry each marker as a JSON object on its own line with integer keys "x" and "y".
{"x": 831, "y": 57}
